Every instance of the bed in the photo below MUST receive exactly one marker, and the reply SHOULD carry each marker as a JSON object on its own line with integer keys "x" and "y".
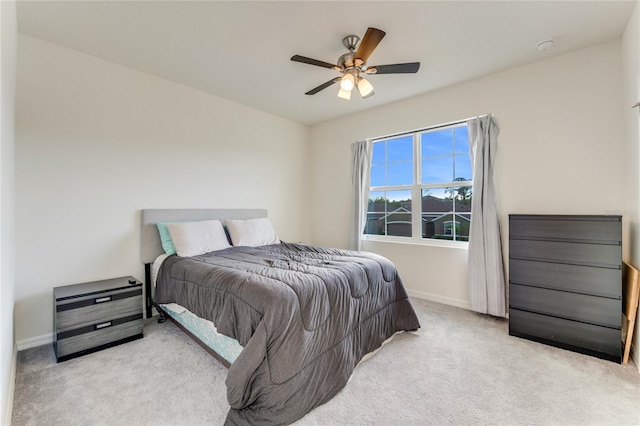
{"x": 289, "y": 320}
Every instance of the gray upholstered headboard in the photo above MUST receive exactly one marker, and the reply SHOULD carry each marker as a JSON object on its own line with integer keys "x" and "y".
{"x": 150, "y": 245}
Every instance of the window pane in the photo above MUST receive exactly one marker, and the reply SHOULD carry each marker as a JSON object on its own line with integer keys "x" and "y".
{"x": 400, "y": 173}
{"x": 392, "y": 162}
{"x": 465, "y": 223}
{"x": 379, "y": 153}
{"x": 461, "y": 140}
{"x": 463, "y": 167}
{"x": 446, "y": 213}
{"x": 437, "y": 208}
{"x": 437, "y": 143}
{"x": 378, "y": 175}
{"x": 399, "y": 224}
{"x": 376, "y": 201}
{"x": 450, "y": 227}
{"x": 400, "y": 149}
{"x": 462, "y": 195}
{"x": 436, "y": 200}
{"x": 397, "y": 199}
{"x": 398, "y": 218}
{"x": 375, "y": 211}
{"x": 439, "y": 169}
{"x": 389, "y": 213}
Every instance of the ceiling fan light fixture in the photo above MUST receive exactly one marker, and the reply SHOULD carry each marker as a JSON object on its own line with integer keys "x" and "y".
{"x": 344, "y": 94}
{"x": 347, "y": 82}
{"x": 365, "y": 88}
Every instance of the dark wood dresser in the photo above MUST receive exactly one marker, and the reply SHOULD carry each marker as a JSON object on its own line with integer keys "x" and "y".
{"x": 565, "y": 282}
{"x": 96, "y": 315}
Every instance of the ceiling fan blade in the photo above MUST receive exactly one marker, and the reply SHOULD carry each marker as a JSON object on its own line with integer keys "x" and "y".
{"x": 305, "y": 60}
{"x": 323, "y": 86}
{"x": 407, "y": 68}
{"x": 371, "y": 39}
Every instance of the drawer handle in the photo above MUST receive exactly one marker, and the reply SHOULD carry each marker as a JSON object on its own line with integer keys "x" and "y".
{"x": 103, "y": 299}
{"x": 103, "y": 325}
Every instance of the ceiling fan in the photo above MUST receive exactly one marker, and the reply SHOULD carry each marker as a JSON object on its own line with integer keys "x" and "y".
{"x": 353, "y": 65}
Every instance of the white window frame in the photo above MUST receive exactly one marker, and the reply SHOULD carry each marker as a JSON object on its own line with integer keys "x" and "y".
{"x": 416, "y": 193}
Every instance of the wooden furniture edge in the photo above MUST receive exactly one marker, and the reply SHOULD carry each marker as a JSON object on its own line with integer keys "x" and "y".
{"x": 631, "y": 294}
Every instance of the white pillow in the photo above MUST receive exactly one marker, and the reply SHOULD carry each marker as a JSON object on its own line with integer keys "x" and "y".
{"x": 252, "y": 232}
{"x": 194, "y": 238}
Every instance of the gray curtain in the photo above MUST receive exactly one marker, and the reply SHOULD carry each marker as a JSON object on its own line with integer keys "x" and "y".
{"x": 486, "y": 269}
{"x": 361, "y": 157}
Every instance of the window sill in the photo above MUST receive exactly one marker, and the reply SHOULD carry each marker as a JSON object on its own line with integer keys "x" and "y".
{"x": 417, "y": 242}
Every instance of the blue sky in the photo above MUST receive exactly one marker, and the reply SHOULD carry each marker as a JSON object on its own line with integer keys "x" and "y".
{"x": 444, "y": 153}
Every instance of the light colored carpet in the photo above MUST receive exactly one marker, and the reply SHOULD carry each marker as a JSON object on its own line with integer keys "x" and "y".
{"x": 460, "y": 368}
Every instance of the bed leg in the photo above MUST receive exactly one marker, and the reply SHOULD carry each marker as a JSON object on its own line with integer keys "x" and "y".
{"x": 150, "y": 303}
{"x": 162, "y": 318}
{"x": 147, "y": 289}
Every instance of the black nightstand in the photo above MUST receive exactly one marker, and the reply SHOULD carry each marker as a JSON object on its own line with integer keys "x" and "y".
{"x": 96, "y": 315}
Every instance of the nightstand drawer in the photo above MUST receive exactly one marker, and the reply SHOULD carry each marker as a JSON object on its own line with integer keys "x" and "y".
{"x": 96, "y": 315}
{"x": 99, "y": 334}
{"x": 96, "y": 307}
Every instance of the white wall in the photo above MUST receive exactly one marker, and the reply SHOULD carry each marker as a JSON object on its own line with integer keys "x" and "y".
{"x": 560, "y": 150}
{"x": 96, "y": 142}
{"x": 8, "y": 37}
{"x": 631, "y": 95}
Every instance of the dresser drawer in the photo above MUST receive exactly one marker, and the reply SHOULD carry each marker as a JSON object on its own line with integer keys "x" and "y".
{"x": 575, "y": 228}
{"x": 97, "y": 335}
{"x": 579, "y": 307}
{"x": 98, "y": 307}
{"x": 580, "y": 279}
{"x": 585, "y": 338}
{"x": 606, "y": 256}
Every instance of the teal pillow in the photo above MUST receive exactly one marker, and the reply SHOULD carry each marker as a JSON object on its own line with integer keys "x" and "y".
{"x": 165, "y": 238}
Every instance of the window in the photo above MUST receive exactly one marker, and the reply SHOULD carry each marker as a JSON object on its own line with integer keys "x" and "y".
{"x": 427, "y": 172}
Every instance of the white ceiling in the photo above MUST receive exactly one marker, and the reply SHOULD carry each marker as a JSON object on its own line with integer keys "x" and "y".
{"x": 240, "y": 50}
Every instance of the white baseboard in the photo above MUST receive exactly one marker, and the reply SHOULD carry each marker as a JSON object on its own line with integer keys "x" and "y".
{"x": 45, "y": 339}
{"x": 440, "y": 299}
{"x": 11, "y": 388}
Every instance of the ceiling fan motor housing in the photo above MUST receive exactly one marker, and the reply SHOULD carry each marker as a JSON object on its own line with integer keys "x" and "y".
{"x": 346, "y": 61}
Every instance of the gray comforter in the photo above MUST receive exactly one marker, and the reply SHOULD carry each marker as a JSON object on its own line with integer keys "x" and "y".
{"x": 304, "y": 315}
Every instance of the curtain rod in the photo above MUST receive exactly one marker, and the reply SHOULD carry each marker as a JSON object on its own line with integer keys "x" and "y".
{"x": 438, "y": 126}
